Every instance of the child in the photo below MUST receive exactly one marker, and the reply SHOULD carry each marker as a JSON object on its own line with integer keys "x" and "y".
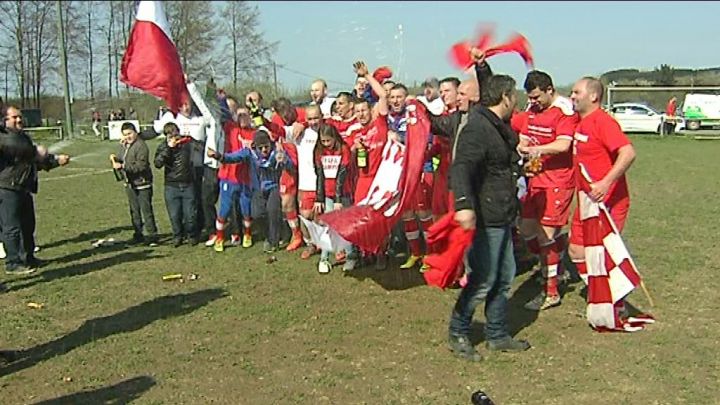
{"x": 134, "y": 161}
{"x": 174, "y": 154}
{"x": 331, "y": 158}
{"x": 268, "y": 163}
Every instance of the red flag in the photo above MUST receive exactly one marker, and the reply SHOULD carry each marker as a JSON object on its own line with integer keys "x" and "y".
{"x": 449, "y": 242}
{"x": 459, "y": 54}
{"x": 611, "y": 272}
{"x": 368, "y": 223}
{"x": 151, "y": 62}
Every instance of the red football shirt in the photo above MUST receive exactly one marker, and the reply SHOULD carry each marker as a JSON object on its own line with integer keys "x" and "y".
{"x": 598, "y": 138}
{"x": 236, "y": 138}
{"x": 556, "y": 122}
{"x": 341, "y": 125}
{"x": 373, "y": 136}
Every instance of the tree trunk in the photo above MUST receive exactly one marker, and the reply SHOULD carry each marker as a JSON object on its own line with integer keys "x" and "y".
{"x": 235, "y": 55}
{"x": 109, "y": 51}
{"x": 21, "y": 55}
{"x": 90, "y": 51}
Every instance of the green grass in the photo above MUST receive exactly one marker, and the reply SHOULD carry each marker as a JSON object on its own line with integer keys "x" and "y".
{"x": 248, "y": 332}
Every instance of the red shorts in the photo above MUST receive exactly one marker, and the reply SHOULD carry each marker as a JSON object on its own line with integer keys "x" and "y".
{"x": 288, "y": 185}
{"x": 551, "y": 206}
{"x": 618, "y": 212}
{"x": 423, "y": 194}
{"x": 307, "y": 200}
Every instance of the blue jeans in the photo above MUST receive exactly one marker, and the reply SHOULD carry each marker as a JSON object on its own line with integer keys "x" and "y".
{"x": 493, "y": 269}
{"x": 180, "y": 203}
{"x": 17, "y": 226}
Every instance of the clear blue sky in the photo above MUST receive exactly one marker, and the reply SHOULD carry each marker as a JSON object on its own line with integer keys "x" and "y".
{"x": 569, "y": 39}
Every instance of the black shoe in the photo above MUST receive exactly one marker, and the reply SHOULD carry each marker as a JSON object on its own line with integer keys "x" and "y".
{"x": 507, "y": 344}
{"x": 193, "y": 241}
{"x": 137, "y": 240}
{"x": 35, "y": 263}
{"x": 462, "y": 347}
{"x": 7, "y": 356}
{"x": 177, "y": 242}
{"x": 152, "y": 241}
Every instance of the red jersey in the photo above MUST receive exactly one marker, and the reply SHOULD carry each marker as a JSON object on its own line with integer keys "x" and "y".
{"x": 341, "y": 125}
{"x": 373, "y": 136}
{"x": 556, "y": 122}
{"x": 236, "y": 138}
{"x": 598, "y": 138}
{"x": 518, "y": 121}
{"x": 331, "y": 161}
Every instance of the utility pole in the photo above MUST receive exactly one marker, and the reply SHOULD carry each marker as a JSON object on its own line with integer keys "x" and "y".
{"x": 275, "y": 78}
{"x": 6, "y": 65}
{"x": 64, "y": 71}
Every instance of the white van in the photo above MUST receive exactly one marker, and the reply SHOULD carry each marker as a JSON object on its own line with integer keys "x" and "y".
{"x": 701, "y": 110}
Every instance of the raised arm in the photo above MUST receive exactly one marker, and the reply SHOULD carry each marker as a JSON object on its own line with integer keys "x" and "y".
{"x": 362, "y": 70}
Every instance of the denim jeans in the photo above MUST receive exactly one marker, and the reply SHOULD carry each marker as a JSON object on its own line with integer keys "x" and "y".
{"x": 210, "y": 190}
{"x": 17, "y": 221}
{"x": 141, "y": 211}
{"x": 493, "y": 269}
{"x": 270, "y": 201}
{"x": 180, "y": 203}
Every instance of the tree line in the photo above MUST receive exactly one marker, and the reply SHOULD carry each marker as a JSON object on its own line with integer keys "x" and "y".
{"x": 218, "y": 39}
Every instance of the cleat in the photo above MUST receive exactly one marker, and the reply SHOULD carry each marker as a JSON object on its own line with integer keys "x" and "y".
{"x": 247, "y": 241}
{"x": 411, "y": 262}
{"x": 219, "y": 245}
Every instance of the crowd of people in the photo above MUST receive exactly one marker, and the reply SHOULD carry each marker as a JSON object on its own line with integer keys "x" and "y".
{"x": 510, "y": 174}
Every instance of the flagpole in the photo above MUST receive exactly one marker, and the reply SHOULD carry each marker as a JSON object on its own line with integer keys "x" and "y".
{"x": 605, "y": 210}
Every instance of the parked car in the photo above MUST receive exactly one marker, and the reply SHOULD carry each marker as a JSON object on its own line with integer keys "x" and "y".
{"x": 635, "y": 117}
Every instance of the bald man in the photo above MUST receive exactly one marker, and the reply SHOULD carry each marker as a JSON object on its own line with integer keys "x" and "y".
{"x": 606, "y": 153}
{"x": 318, "y": 94}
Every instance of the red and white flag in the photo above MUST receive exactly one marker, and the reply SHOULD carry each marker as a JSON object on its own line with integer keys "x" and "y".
{"x": 368, "y": 223}
{"x": 151, "y": 62}
{"x": 611, "y": 272}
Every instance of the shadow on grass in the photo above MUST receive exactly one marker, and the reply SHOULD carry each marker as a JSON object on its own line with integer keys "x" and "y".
{"x": 120, "y": 393}
{"x": 89, "y": 236}
{"x": 518, "y": 318}
{"x": 131, "y": 319}
{"x": 79, "y": 269}
{"x": 392, "y": 278}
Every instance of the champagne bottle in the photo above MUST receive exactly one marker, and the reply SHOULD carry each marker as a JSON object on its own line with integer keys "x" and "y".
{"x": 256, "y": 113}
{"x": 362, "y": 157}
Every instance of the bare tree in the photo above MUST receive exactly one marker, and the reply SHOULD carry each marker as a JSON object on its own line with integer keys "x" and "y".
{"x": 251, "y": 53}
{"x": 12, "y": 22}
{"x": 193, "y": 29}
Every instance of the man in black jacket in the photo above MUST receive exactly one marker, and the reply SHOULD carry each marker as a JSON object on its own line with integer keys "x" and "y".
{"x": 134, "y": 161}
{"x": 483, "y": 178}
{"x": 175, "y": 155}
{"x": 20, "y": 160}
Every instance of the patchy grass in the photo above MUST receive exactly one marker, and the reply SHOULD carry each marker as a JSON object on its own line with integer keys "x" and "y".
{"x": 248, "y": 332}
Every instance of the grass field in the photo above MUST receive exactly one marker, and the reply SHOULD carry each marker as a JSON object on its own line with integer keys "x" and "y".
{"x": 249, "y": 332}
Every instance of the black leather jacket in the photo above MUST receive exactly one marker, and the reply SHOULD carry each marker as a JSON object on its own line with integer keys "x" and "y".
{"x": 18, "y": 161}
{"x": 485, "y": 170}
{"x": 177, "y": 162}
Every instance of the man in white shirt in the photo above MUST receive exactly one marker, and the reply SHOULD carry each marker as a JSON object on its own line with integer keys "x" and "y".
{"x": 318, "y": 94}
{"x": 431, "y": 96}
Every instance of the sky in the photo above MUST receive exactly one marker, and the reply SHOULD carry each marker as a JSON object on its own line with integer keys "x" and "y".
{"x": 569, "y": 39}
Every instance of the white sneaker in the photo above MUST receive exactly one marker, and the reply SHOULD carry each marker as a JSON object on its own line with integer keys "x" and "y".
{"x": 2, "y": 251}
{"x": 37, "y": 249}
{"x": 349, "y": 265}
{"x": 324, "y": 267}
{"x": 211, "y": 241}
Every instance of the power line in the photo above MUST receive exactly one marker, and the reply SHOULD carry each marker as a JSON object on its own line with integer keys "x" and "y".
{"x": 314, "y": 76}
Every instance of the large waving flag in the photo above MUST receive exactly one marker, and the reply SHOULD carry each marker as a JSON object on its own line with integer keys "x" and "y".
{"x": 611, "y": 272}
{"x": 368, "y": 223}
{"x": 151, "y": 62}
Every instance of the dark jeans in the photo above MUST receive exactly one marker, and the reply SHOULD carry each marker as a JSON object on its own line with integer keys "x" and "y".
{"x": 492, "y": 267}
{"x": 198, "y": 180}
{"x": 270, "y": 201}
{"x": 17, "y": 221}
{"x": 140, "y": 202}
{"x": 210, "y": 191}
{"x": 180, "y": 203}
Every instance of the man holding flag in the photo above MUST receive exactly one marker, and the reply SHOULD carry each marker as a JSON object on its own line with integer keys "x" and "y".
{"x": 603, "y": 154}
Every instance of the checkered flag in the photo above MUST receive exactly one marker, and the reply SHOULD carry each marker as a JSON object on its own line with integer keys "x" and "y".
{"x": 611, "y": 272}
